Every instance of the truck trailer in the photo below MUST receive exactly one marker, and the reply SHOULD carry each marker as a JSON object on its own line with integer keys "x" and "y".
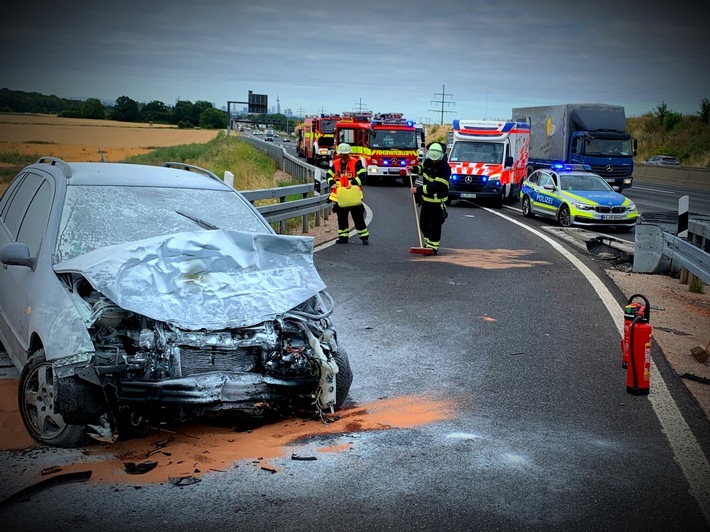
{"x": 592, "y": 133}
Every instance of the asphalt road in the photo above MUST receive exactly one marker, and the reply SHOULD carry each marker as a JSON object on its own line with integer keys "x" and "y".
{"x": 513, "y": 352}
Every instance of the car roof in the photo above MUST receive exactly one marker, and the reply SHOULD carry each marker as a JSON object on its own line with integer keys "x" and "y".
{"x": 178, "y": 175}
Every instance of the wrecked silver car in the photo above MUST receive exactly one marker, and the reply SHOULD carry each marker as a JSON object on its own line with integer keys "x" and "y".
{"x": 132, "y": 295}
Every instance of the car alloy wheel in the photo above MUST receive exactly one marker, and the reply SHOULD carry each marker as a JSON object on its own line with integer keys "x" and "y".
{"x": 37, "y": 394}
{"x": 564, "y": 216}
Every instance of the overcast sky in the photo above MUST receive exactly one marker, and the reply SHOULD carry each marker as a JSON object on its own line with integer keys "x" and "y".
{"x": 471, "y": 59}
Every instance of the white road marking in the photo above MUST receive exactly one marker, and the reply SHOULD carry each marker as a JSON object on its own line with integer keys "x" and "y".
{"x": 684, "y": 445}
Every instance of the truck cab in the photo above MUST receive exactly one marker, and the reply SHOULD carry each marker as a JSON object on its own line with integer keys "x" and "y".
{"x": 609, "y": 154}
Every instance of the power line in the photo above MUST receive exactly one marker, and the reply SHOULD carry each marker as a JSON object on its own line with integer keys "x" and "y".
{"x": 443, "y": 102}
{"x": 360, "y": 107}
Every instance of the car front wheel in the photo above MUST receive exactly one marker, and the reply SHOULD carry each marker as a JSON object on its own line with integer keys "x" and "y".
{"x": 564, "y": 217}
{"x": 36, "y": 397}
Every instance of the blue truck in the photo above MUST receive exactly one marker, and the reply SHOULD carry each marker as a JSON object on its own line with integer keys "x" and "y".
{"x": 593, "y": 134}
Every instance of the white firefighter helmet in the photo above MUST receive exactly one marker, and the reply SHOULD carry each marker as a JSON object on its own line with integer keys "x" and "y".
{"x": 344, "y": 149}
{"x": 436, "y": 152}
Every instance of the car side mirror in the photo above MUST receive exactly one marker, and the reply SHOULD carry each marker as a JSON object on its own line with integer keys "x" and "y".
{"x": 16, "y": 254}
{"x": 549, "y": 187}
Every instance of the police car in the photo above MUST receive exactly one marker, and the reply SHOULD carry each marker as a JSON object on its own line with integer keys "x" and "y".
{"x": 576, "y": 196}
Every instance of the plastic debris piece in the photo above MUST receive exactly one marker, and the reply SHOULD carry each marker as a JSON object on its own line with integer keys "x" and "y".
{"x": 138, "y": 469}
{"x": 305, "y": 458}
{"x": 50, "y": 470}
{"x": 184, "y": 481}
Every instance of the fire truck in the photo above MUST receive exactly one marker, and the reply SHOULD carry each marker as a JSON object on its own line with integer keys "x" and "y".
{"x": 386, "y": 143}
{"x": 488, "y": 160}
{"x": 315, "y": 138}
{"x": 354, "y": 128}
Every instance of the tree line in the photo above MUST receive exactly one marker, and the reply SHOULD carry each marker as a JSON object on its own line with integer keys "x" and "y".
{"x": 184, "y": 113}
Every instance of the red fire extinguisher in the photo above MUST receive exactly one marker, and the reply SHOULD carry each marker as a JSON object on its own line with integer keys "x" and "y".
{"x": 631, "y": 310}
{"x": 638, "y": 371}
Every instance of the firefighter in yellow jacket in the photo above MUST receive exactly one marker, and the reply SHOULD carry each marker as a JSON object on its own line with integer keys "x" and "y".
{"x": 345, "y": 179}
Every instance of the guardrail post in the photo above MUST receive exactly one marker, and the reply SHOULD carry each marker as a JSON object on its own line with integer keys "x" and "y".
{"x": 229, "y": 178}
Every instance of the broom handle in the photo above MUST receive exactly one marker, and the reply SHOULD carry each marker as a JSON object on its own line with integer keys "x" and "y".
{"x": 416, "y": 212}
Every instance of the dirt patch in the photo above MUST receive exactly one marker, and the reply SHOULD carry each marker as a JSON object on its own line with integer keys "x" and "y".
{"x": 80, "y": 140}
{"x": 198, "y": 448}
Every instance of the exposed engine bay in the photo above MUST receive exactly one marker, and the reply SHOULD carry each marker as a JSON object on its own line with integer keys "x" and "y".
{"x": 146, "y": 370}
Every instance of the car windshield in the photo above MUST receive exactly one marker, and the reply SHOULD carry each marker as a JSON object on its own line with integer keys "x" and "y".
{"x": 98, "y": 216}
{"x": 584, "y": 183}
{"x": 393, "y": 139}
{"x": 477, "y": 152}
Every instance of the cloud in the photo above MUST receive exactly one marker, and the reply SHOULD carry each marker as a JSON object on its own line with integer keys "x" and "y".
{"x": 489, "y": 56}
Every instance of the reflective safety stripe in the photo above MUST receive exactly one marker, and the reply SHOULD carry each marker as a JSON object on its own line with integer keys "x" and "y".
{"x": 434, "y": 199}
{"x": 431, "y": 244}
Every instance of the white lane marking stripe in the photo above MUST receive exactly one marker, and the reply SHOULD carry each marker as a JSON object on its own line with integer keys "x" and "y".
{"x": 685, "y": 447}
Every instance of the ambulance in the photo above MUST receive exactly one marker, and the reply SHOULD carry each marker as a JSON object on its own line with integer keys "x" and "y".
{"x": 488, "y": 160}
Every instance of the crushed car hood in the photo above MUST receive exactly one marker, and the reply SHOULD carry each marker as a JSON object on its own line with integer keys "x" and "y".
{"x": 204, "y": 279}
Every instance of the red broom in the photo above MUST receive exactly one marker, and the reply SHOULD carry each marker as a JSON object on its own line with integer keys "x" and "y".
{"x": 421, "y": 250}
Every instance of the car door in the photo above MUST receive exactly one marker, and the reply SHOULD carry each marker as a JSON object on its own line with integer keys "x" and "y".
{"x": 23, "y": 218}
{"x": 543, "y": 199}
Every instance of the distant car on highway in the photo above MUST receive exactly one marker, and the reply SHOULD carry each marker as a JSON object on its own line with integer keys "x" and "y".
{"x": 268, "y": 138}
{"x": 286, "y": 139}
{"x": 661, "y": 160}
{"x": 575, "y": 196}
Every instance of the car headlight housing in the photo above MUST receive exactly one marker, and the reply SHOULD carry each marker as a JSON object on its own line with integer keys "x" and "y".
{"x": 583, "y": 206}
{"x": 631, "y": 207}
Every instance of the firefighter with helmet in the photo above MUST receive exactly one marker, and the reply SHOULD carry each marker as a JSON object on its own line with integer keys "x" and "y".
{"x": 433, "y": 194}
{"x": 345, "y": 179}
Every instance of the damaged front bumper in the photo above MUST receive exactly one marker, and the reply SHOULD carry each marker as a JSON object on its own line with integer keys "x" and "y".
{"x": 218, "y": 391}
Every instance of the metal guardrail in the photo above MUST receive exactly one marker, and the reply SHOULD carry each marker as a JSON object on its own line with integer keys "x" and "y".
{"x": 692, "y": 255}
{"x": 314, "y": 191}
{"x": 658, "y": 249}
{"x": 682, "y": 176}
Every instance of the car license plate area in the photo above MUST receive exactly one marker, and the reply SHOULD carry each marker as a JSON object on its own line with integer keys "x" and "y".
{"x": 467, "y": 195}
{"x": 612, "y": 217}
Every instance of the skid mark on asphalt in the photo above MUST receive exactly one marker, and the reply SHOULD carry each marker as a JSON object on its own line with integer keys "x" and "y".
{"x": 486, "y": 259}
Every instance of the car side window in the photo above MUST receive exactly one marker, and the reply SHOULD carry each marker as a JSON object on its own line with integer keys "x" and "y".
{"x": 9, "y": 194}
{"x": 545, "y": 179}
{"x": 34, "y": 224}
{"x": 534, "y": 178}
{"x": 19, "y": 203}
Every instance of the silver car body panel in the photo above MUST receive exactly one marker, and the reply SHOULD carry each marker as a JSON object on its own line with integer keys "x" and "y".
{"x": 205, "y": 279}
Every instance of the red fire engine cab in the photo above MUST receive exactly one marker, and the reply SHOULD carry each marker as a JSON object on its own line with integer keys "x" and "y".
{"x": 386, "y": 143}
{"x": 315, "y": 138}
{"x": 393, "y": 144}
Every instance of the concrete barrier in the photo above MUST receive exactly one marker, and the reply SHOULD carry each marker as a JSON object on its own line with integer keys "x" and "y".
{"x": 664, "y": 175}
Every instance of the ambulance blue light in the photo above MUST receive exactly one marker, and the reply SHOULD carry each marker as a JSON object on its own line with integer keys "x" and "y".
{"x": 386, "y": 162}
{"x": 410, "y": 123}
{"x": 403, "y": 162}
